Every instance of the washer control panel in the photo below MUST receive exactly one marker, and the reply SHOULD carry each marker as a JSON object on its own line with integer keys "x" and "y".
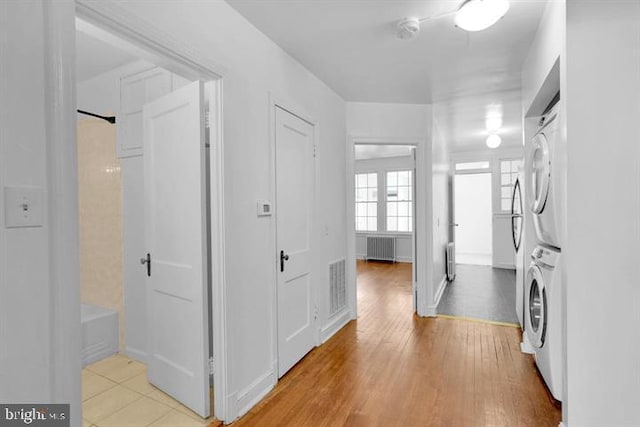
{"x": 545, "y": 257}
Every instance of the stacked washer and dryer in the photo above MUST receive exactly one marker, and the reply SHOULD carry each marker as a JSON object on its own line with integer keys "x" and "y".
{"x": 543, "y": 295}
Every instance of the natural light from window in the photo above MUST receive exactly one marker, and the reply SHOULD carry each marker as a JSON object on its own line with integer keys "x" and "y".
{"x": 367, "y": 202}
{"x": 399, "y": 201}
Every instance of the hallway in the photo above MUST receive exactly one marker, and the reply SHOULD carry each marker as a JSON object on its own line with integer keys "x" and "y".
{"x": 392, "y": 368}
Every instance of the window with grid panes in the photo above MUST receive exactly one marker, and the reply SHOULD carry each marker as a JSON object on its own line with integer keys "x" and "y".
{"x": 508, "y": 176}
{"x": 367, "y": 202}
{"x": 399, "y": 201}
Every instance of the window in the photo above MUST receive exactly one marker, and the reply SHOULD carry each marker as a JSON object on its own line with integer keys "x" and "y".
{"x": 508, "y": 176}
{"x": 367, "y": 202}
{"x": 399, "y": 201}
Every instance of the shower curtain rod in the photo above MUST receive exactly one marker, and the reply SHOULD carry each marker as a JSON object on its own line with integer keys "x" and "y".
{"x": 110, "y": 119}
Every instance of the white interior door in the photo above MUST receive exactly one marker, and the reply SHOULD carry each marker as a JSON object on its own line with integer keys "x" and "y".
{"x": 294, "y": 203}
{"x": 175, "y": 237}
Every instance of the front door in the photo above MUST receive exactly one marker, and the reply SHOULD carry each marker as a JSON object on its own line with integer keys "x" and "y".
{"x": 175, "y": 237}
{"x": 294, "y": 146}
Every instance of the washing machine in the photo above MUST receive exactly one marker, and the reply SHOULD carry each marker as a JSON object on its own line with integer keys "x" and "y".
{"x": 543, "y": 315}
{"x": 544, "y": 171}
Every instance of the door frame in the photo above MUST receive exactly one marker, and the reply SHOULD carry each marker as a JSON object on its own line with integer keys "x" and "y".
{"x": 286, "y": 104}
{"x": 168, "y": 52}
{"x": 422, "y": 228}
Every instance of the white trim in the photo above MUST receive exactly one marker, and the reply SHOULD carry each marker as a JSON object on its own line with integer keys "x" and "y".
{"x": 256, "y": 391}
{"x": 432, "y": 309}
{"x": 421, "y": 226}
{"x": 504, "y": 266}
{"x": 136, "y": 354}
{"x": 62, "y": 205}
{"x": 181, "y": 58}
{"x": 338, "y": 322}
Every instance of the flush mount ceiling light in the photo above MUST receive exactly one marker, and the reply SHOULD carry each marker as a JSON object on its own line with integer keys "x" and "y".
{"x": 494, "y": 141}
{"x": 478, "y": 15}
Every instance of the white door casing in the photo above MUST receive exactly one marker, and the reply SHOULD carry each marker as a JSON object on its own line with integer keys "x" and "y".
{"x": 175, "y": 238}
{"x": 294, "y": 155}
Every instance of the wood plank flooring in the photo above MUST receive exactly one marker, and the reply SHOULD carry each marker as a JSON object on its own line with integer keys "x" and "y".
{"x": 392, "y": 368}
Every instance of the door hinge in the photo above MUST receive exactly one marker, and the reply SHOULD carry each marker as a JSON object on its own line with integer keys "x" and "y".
{"x": 211, "y": 366}
{"x": 315, "y": 150}
{"x": 207, "y": 120}
{"x": 315, "y": 313}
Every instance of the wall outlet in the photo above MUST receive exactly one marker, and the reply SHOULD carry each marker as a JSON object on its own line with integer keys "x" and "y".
{"x": 23, "y": 207}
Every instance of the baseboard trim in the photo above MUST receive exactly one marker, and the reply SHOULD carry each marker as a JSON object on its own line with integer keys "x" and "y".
{"x": 136, "y": 354}
{"x": 249, "y": 396}
{"x": 432, "y": 309}
{"x": 338, "y": 322}
{"x": 398, "y": 259}
{"x": 504, "y": 266}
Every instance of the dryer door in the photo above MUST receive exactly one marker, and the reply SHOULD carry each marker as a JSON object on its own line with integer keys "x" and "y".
{"x": 539, "y": 172}
{"x": 516, "y": 216}
{"x": 535, "y": 306}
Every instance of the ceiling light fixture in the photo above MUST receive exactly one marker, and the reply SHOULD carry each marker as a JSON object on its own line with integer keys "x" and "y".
{"x": 478, "y": 15}
{"x": 494, "y": 141}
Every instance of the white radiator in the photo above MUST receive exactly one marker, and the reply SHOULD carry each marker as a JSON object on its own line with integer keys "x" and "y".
{"x": 381, "y": 248}
{"x": 450, "y": 256}
{"x": 337, "y": 286}
{"x": 451, "y": 261}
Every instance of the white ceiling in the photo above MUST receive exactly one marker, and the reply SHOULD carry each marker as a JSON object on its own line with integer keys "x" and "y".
{"x": 94, "y": 57}
{"x": 376, "y": 151}
{"x": 352, "y": 46}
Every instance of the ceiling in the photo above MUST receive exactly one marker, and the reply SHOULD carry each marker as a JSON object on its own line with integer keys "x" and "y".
{"x": 94, "y": 57}
{"x": 352, "y": 46}
{"x": 377, "y": 151}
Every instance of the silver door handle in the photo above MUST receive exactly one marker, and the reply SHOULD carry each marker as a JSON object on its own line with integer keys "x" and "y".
{"x": 453, "y": 225}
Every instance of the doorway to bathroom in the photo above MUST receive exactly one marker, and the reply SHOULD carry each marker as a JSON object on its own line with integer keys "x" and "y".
{"x": 148, "y": 214}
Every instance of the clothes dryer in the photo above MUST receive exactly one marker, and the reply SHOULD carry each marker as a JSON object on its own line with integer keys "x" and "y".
{"x": 543, "y": 315}
{"x": 543, "y": 173}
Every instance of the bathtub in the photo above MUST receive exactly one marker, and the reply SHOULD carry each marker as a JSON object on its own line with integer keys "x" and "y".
{"x": 99, "y": 333}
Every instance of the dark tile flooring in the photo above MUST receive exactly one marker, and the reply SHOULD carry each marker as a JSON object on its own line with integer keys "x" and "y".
{"x": 481, "y": 292}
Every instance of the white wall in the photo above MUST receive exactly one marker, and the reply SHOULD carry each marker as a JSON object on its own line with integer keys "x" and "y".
{"x": 441, "y": 203}
{"x": 404, "y": 244}
{"x": 253, "y": 67}
{"x": 39, "y": 280}
{"x": 601, "y": 80}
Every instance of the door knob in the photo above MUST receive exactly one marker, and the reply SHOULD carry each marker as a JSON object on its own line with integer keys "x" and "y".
{"x": 283, "y": 257}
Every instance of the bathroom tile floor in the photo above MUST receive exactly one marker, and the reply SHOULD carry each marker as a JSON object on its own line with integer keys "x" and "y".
{"x": 115, "y": 393}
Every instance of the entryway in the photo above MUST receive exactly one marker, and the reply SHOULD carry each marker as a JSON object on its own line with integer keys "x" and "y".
{"x": 385, "y": 215}
{"x": 150, "y": 166}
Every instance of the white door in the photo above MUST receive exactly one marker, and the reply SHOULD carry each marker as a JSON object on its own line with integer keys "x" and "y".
{"x": 175, "y": 238}
{"x": 294, "y": 203}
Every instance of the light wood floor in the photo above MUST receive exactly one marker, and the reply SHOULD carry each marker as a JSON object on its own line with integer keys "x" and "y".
{"x": 391, "y": 368}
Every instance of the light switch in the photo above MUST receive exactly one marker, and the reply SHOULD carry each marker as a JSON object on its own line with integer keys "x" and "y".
{"x": 23, "y": 207}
